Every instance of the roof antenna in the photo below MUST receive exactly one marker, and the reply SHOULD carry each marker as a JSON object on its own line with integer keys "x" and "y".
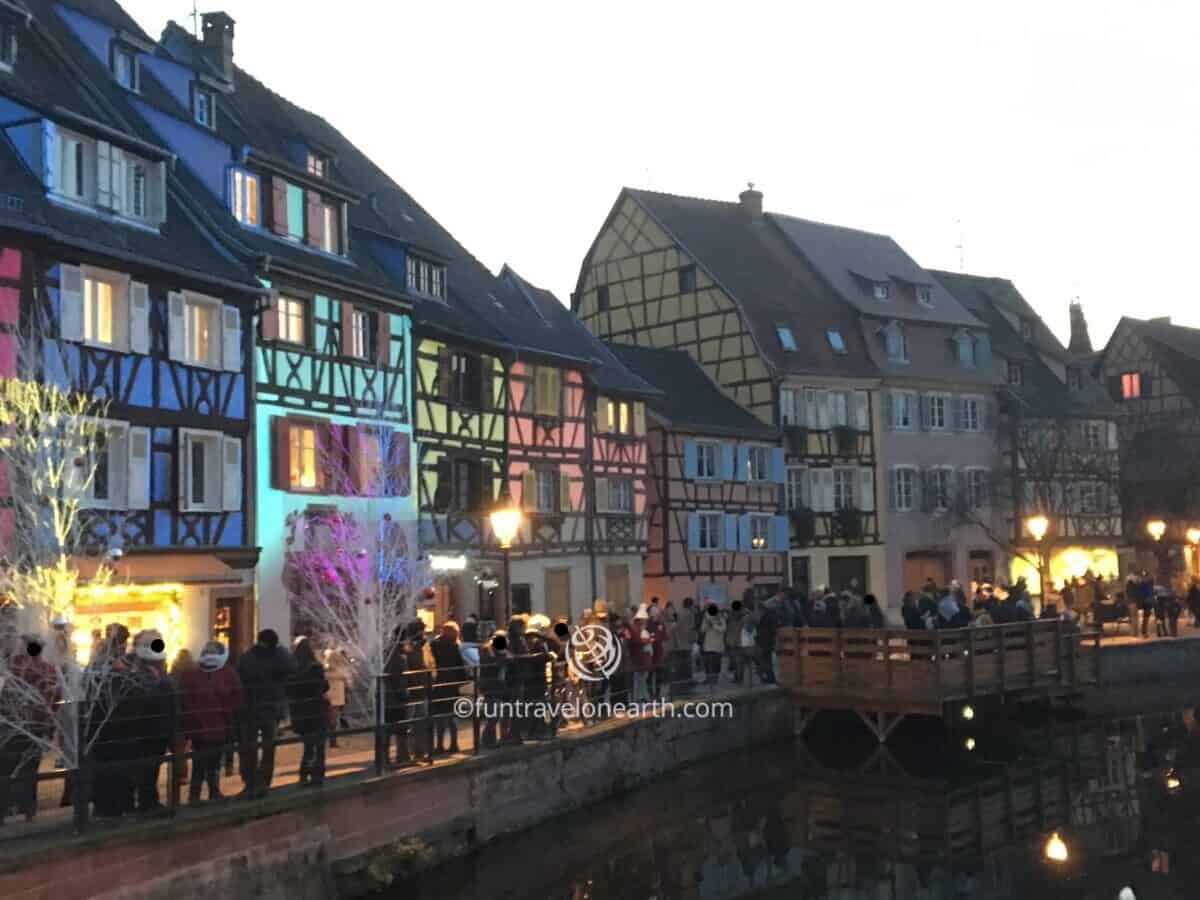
{"x": 962, "y": 261}
{"x": 195, "y": 20}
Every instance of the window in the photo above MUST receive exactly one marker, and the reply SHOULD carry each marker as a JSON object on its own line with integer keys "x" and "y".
{"x": 965, "y": 347}
{"x": 760, "y": 532}
{"x": 1026, "y": 330}
{"x": 204, "y": 108}
{"x": 706, "y": 460}
{"x": 360, "y": 334}
{"x": 904, "y": 410}
{"x": 331, "y": 230}
{"x": 107, "y": 461}
{"x": 836, "y": 342}
{"x": 843, "y": 488}
{"x": 424, "y": 277}
{"x": 103, "y": 308}
{"x": 461, "y": 485}
{"x": 925, "y": 295}
{"x": 972, "y": 414}
{"x": 904, "y": 489}
{"x": 709, "y": 531}
{"x": 8, "y": 46}
{"x": 602, "y": 298}
{"x": 1074, "y": 378}
{"x": 791, "y": 408}
{"x": 465, "y": 380}
{"x": 839, "y": 407}
{"x": 1016, "y": 373}
{"x": 72, "y": 166}
{"x": 546, "y": 483}
{"x": 245, "y": 198}
{"x": 125, "y": 67}
{"x": 787, "y": 340}
{"x": 617, "y": 417}
{"x": 940, "y": 487}
{"x": 318, "y": 165}
{"x": 1131, "y": 385}
{"x": 937, "y": 412}
{"x": 202, "y": 471}
{"x": 136, "y": 199}
{"x": 1095, "y": 435}
{"x": 977, "y": 488}
{"x": 620, "y": 495}
{"x": 293, "y": 315}
{"x": 302, "y": 457}
{"x": 107, "y": 177}
{"x": 797, "y": 488}
{"x": 882, "y": 290}
{"x": 547, "y": 392}
{"x": 687, "y": 279}
{"x": 896, "y": 343}
{"x": 758, "y": 463}
{"x": 1092, "y": 498}
{"x": 202, "y": 331}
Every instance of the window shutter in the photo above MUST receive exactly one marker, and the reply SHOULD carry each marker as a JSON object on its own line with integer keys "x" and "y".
{"x": 924, "y": 402}
{"x": 693, "y": 532}
{"x": 156, "y": 193}
{"x": 989, "y": 415}
{"x": 383, "y": 338}
{"x": 1113, "y": 437}
{"x": 1114, "y": 386}
{"x": 441, "y": 491}
{"x": 893, "y": 489}
{"x": 138, "y": 480}
{"x": 269, "y": 319}
{"x": 601, "y": 417}
{"x": 729, "y": 524}
{"x": 50, "y": 155}
{"x": 814, "y": 490}
{"x": 564, "y": 493}
{"x": 231, "y": 335}
{"x": 824, "y": 402}
{"x": 862, "y": 417}
{"x": 639, "y": 418}
{"x": 356, "y": 438}
{"x": 985, "y": 488}
{"x": 70, "y": 296}
{"x": 778, "y": 465}
{"x": 281, "y": 476}
{"x": 958, "y": 405}
{"x": 346, "y": 311}
{"x": 184, "y": 460}
{"x": 690, "y": 459}
{"x": 443, "y": 373}
{"x": 743, "y": 533}
{"x": 601, "y": 495}
{"x": 727, "y": 471}
{"x": 104, "y": 185}
{"x": 139, "y": 317}
{"x": 779, "y": 536}
{"x": 330, "y": 460}
{"x": 314, "y": 219}
{"x": 927, "y": 489}
{"x": 889, "y": 410}
{"x": 120, "y": 183}
{"x": 176, "y": 347}
{"x": 279, "y": 206}
{"x": 811, "y": 417}
{"x": 529, "y": 489}
{"x": 866, "y": 489}
{"x": 118, "y": 469}
{"x": 741, "y": 469}
{"x": 231, "y": 474}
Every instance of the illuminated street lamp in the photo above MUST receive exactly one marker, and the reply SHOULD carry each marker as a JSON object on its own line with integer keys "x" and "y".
{"x": 1038, "y": 526}
{"x": 1156, "y": 528}
{"x": 505, "y": 519}
{"x": 1056, "y": 850}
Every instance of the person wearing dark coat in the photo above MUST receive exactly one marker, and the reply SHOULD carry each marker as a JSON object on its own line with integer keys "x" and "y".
{"x": 110, "y": 738}
{"x": 494, "y": 665}
{"x": 764, "y": 637}
{"x": 913, "y": 620}
{"x": 150, "y": 702}
{"x": 306, "y": 693}
{"x": 873, "y": 612}
{"x": 1193, "y": 602}
{"x": 30, "y": 697}
{"x": 210, "y": 696}
{"x": 450, "y": 675}
{"x": 264, "y": 671}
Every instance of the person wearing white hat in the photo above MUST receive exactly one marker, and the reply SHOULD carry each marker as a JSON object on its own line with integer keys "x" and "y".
{"x": 151, "y": 713}
{"x": 210, "y": 695}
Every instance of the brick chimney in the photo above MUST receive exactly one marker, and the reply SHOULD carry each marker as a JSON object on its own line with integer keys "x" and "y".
{"x": 218, "y": 41}
{"x": 751, "y": 201}
{"x": 1081, "y": 343}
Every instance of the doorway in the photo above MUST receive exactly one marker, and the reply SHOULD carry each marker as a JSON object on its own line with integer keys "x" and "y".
{"x": 558, "y": 594}
{"x": 848, "y": 572}
{"x": 982, "y": 565}
{"x": 231, "y": 625}
{"x": 921, "y": 565}
{"x": 616, "y": 587}
{"x": 521, "y": 599}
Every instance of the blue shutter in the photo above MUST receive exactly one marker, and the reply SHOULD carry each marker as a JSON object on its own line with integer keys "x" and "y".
{"x": 741, "y": 471}
{"x": 730, "y": 522}
{"x": 778, "y": 465}
{"x": 780, "y": 538}
{"x": 689, "y": 459}
{"x": 693, "y": 532}
{"x": 744, "y": 534}
{"x": 727, "y": 463}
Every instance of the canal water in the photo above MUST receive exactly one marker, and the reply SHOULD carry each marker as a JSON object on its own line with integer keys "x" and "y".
{"x": 969, "y": 814}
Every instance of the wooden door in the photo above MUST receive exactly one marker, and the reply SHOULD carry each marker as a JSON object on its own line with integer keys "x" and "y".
{"x": 920, "y": 566}
{"x": 846, "y": 572}
{"x": 558, "y": 593}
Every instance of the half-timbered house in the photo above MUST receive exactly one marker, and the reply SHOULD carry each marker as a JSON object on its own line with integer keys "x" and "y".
{"x": 132, "y": 303}
{"x": 717, "y": 476}
{"x": 278, "y": 186}
{"x": 722, "y": 282}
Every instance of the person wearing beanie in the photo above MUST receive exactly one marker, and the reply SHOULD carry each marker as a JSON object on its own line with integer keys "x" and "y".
{"x": 149, "y": 707}
{"x": 210, "y": 695}
{"x": 307, "y": 692}
{"x": 264, "y": 671}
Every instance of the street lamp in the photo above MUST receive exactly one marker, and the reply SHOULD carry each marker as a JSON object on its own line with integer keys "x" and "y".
{"x": 1038, "y": 526}
{"x": 1055, "y": 850}
{"x": 1157, "y": 528}
{"x": 505, "y": 518}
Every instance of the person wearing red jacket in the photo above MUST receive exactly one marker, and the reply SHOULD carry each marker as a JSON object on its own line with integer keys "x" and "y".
{"x": 212, "y": 693}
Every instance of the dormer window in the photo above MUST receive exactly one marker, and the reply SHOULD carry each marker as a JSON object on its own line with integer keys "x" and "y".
{"x": 328, "y": 226}
{"x": 125, "y": 67}
{"x": 687, "y": 279}
{"x": 786, "y": 339}
{"x": 244, "y": 197}
{"x": 1016, "y": 373}
{"x": 204, "y": 107}
{"x": 1026, "y": 330}
{"x": 1074, "y": 379}
{"x": 965, "y": 349}
{"x": 882, "y": 290}
{"x": 895, "y": 343}
{"x": 106, "y": 177}
{"x": 318, "y": 165}
{"x": 836, "y": 342}
{"x": 925, "y": 295}
{"x": 425, "y": 277}
{"x": 8, "y": 46}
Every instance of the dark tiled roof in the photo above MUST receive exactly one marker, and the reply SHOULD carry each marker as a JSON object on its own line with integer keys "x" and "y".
{"x": 1042, "y": 393}
{"x": 547, "y": 313}
{"x": 1177, "y": 348}
{"x": 690, "y": 401}
{"x": 772, "y": 286}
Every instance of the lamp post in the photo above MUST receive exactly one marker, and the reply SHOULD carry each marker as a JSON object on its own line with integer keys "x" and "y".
{"x": 1038, "y": 526}
{"x": 1193, "y": 536}
{"x": 505, "y": 519}
{"x": 1156, "y": 528}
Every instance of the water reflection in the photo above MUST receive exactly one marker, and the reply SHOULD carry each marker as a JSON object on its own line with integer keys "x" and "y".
{"x": 835, "y": 816}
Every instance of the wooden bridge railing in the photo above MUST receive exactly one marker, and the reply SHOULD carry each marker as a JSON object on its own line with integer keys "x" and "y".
{"x": 899, "y": 670}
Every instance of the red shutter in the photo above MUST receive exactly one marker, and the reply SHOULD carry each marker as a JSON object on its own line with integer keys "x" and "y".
{"x": 355, "y": 474}
{"x": 314, "y": 221}
{"x": 399, "y": 477}
{"x": 328, "y": 468}
{"x": 279, "y": 206}
{"x": 269, "y": 320}
{"x": 347, "y": 328}
{"x": 281, "y": 478}
{"x": 383, "y": 338}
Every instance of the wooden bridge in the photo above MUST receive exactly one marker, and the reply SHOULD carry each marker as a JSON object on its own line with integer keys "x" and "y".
{"x": 887, "y": 674}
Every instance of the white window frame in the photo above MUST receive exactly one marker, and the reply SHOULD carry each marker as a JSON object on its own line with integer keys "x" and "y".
{"x": 620, "y": 495}
{"x": 925, "y": 295}
{"x": 942, "y": 491}
{"x": 297, "y": 451}
{"x": 1016, "y": 373}
{"x": 716, "y": 534}
{"x": 837, "y": 343}
{"x": 317, "y": 165}
{"x": 943, "y": 404}
{"x": 787, "y": 340}
{"x": 1088, "y": 494}
{"x": 119, "y": 314}
{"x": 88, "y": 499}
{"x": 845, "y": 487}
{"x": 214, "y": 467}
{"x": 758, "y": 463}
{"x": 976, "y": 478}
{"x": 840, "y": 405}
{"x": 881, "y": 291}
{"x": 216, "y": 309}
{"x": 287, "y": 321}
{"x": 1095, "y": 435}
{"x": 906, "y": 401}
{"x": 797, "y": 488}
{"x": 360, "y": 333}
{"x": 331, "y": 226}
{"x": 972, "y": 413}
{"x": 208, "y": 119}
{"x": 246, "y": 191}
{"x": 9, "y": 46}
{"x": 791, "y": 406}
{"x": 81, "y": 152}
{"x": 967, "y": 349}
{"x": 901, "y": 502}
{"x": 895, "y": 343}
{"x": 121, "y": 51}
{"x": 712, "y": 451}
{"x": 546, "y": 484}
{"x": 760, "y": 530}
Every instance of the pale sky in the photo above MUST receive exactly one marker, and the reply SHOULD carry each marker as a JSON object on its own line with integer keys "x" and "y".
{"x": 1063, "y": 136}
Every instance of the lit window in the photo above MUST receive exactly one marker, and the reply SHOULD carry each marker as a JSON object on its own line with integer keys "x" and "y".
{"x": 797, "y": 488}
{"x": 331, "y": 228}
{"x": 547, "y": 392}
{"x": 204, "y": 108}
{"x": 924, "y": 295}
{"x": 245, "y": 198}
{"x": 292, "y": 315}
{"x": 547, "y": 482}
{"x": 1131, "y": 385}
{"x": 937, "y": 412}
{"x": 1016, "y": 373}
{"x": 618, "y": 416}
{"x": 318, "y": 165}
{"x": 360, "y": 334}
{"x": 125, "y": 68}
{"x": 836, "y": 341}
{"x": 786, "y": 339}
{"x": 882, "y": 290}
{"x": 202, "y": 331}
{"x": 708, "y": 531}
{"x": 760, "y": 529}
{"x": 972, "y": 414}
{"x": 706, "y": 460}
{"x": 904, "y": 489}
{"x": 103, "y": 305}
{"x": 8, "y": 46}
{"x": 843, "y": 488}
{"x": 687, "y": 280}
{"x": 302, "y": 457}
{"x": 620, "y": 495}
{"x": 758, "y": 464}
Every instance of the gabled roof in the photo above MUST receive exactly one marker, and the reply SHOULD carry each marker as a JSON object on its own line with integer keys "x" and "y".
{"x": 690, "y": 400}
{"x": 1177, "y": 348}
{"x": 762, "y": 274}
{"x": 852, "y": 261}
{"x": 1042, "y": 394}
{"x": 545, "y": 313}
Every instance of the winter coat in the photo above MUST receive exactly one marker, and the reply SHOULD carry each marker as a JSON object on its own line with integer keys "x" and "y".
{"x": 36, "y": 709}
{"x": 676, "y": 633}
{"x": 768, "y": 628}
{"x": 874, "y": 615}
{"x": 208, "y": 700}
{"x": 450, "y": 672}
{"x": 395, "y": 691}
{"x": 306, "y": 692}
{"x": 733, "y": 628}
{"x": 470, "y": 632}
{"x": 264, "y": 672}
{"x": 148, "y": 708}
{"x": 913, "y": 620}
{"x": 712, "y": 633}
{"x": 339, "y": 673}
